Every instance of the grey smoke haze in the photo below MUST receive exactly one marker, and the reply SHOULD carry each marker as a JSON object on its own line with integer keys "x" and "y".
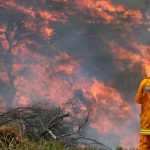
{"x": 87, "y": 42}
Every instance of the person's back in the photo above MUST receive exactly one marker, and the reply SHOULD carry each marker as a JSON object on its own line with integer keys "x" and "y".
{"x": 143, "y": 98}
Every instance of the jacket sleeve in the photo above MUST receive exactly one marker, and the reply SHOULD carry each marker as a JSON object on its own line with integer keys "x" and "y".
{"x": 139, "y": 94}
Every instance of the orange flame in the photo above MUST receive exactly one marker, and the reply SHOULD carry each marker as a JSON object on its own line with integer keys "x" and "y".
{"x": 47, "y": 32}
{"x": 38, "y": 76}
{"x": 107, "y": 10}
{"x": 123, "y": 54}
{"x": 12, "y": 4}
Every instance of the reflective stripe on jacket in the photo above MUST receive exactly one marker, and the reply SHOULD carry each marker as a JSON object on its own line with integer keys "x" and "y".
{"x": 143, "y": 97}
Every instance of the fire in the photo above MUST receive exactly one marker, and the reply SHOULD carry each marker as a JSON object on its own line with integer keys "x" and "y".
{"x": 21, "y": 101}
{"x": 101, "y": 91}
{"x": 69, "y": 69}
{"x": 12, "y": 4}
{"x": 16, "y": 68}
{"x": 103, "y": 125}
{"x": 47, "y": 32}
{"x": 4, "y": 77}
{"x": 108, "y": 98}
{"x": 4, "y": 42}
{"x": 74, "y": 49}
{"x": 52, "y": 16}
{"x": 134, "y": 14}
{"x": 108, "y": 6}
{"x": 46, "y": 15}
{"x": 107, "y": 10}
{"x": 123, "y": 54}
{"x": 42, "y": 80}
{"x": 144, "y": 53}
{"x": 2, "y": 28}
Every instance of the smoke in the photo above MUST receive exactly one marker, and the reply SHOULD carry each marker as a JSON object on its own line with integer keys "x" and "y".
{"x": 94, "y": 50}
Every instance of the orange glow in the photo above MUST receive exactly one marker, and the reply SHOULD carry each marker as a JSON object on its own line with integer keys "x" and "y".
{"x": 122, "y": 54}
{"x": 61, "y": 56}
{"x": 21, "y": 49}
{"x": 2, "y": 28}
{"x": 135, "y": 14}
{"x": 62, "y": 1}
{"x": 103, "y": 126}
{"x": 105, "y": 100}
{"x": 108, "y": 6}
{"x": 22, "y": 101}
{"x": 13, "y": 4}
{"x": 47, "y": 32}
{"x": 30, "y": 25}
{"x": 70, "y": 65}
{"x": 52, "y": 16}
{"x": 4, "y": 77}
{"x": 108, "y": 11}
{"x": 101, "y": 91}
{"x": 68, "y": 68}
{"x": 46, "y": 15}
{"x": 16, "y": 68}
{"x": 44, "y": 69}
{"x": 4, "y": 43}
{"x": 126, "y": 141}
{"x": 144, "y": 55}
{"x": 41, "y": 83}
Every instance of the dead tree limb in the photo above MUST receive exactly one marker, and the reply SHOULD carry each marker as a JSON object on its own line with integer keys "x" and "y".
{"x": 59, "y": 123}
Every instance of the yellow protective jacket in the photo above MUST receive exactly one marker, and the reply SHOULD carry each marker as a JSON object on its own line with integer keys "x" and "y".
{"x": 143, "y": 97}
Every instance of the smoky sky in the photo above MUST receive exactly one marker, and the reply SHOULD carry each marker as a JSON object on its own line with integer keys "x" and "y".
{"x": 87, "y": 42}
{"x": 92, "y": 48}
{"x": 91, "y": 45}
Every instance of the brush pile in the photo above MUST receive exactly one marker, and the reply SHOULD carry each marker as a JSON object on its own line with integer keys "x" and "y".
{"x": 67, "y": 124}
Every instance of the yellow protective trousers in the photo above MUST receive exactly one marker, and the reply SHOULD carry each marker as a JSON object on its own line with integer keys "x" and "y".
{"x": 144, "y": 142}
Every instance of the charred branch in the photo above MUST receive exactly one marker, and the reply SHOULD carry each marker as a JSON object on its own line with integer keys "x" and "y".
{"x": 40, "y": 122}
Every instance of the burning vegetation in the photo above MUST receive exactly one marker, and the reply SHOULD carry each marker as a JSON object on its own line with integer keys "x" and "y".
{"x": 92, "y": 50}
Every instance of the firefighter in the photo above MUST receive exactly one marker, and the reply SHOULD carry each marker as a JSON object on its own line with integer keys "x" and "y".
{"x": 143, "y": 97}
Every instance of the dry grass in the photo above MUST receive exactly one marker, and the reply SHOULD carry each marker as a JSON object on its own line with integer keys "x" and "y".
{"x": 12, "y": 138}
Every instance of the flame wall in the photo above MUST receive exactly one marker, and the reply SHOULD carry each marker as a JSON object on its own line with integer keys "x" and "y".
{"x": 94, "y": 50}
